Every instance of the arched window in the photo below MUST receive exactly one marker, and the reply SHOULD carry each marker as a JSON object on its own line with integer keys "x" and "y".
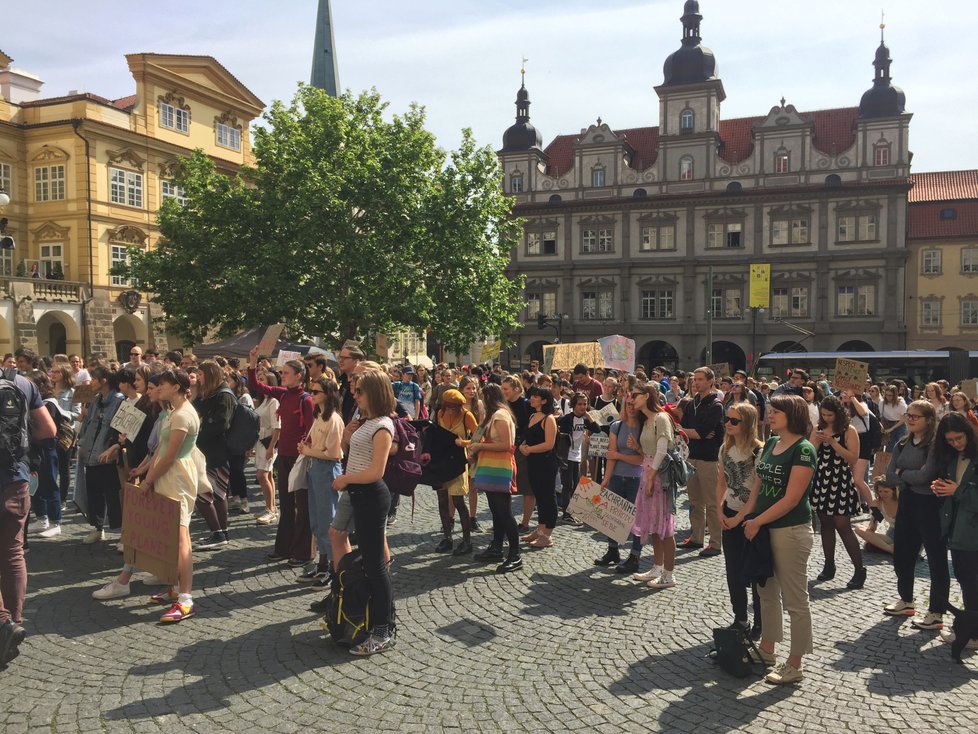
{"x": 640, "y": 193}
{"x": 686, "y": 168}
{"x": 686, "y": 121}
{"x": 516, "y": 183}
{"x": 881, "y": 153}
{"x": 555, "y": 199}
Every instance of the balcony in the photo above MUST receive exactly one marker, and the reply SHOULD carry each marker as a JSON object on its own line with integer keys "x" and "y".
{"x": 39, "y": 289}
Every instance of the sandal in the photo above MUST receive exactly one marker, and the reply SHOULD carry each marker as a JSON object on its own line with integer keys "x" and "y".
{"x": 542, "y": 541}
{"x": 530, "y": 537}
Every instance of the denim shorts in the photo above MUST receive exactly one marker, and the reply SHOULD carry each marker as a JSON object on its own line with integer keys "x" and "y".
{"x": 343, "y": 519}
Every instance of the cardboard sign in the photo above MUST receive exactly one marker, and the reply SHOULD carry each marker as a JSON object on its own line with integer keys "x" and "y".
{"x": 83, "y": 394}
{"x": 128, "y": 419}
{"x": 720, "y": 369}
{"x": 267, "y": 344}
{"x": 284, "y": 357}
{"x": 491, "y": 351}
{"x": 151, "y": 531}
{"x": 618, "y": 352}
{"x": 602, "y": 510}
{"x": 567, "y": 356}
{"x": 597, "y": 445}
{"x": 850, "y": 375}
{"x": 969, "y": 388}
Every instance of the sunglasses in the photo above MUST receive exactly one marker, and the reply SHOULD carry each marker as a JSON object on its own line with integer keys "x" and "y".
{"x": 733, "y": 421}
{"x": 634, "y": 395}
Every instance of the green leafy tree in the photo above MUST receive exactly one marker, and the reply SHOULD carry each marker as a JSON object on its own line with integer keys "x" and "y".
{"x": 352, "y": 222}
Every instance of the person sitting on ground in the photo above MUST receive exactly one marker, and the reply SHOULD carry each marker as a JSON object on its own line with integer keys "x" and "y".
{"x": 884, "y": 519}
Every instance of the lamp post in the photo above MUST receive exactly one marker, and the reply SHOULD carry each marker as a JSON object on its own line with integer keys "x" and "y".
{"x": 6, "y": 241}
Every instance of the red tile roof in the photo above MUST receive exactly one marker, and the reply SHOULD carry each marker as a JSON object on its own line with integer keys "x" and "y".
{"x": 925, "y": 220}
{"x": 125, "y": 103}
{"x": 833, "y": 133}
{"x": 943, "y": 186}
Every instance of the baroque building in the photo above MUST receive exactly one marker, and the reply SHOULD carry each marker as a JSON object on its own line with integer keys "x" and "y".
{"x": 624, "y": 226}
{"x": 85, "y": 176}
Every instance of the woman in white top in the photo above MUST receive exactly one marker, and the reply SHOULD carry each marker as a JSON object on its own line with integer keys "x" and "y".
{"x": 655, "y": 512}
{"x": 893, "y": 416}
{"x": 367, "y": 451}
{"x": 266, "y": 449}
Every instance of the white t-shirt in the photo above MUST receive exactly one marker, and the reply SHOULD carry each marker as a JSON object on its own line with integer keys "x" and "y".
{"x": 361, "y": 454}
{"x": 893, "y": 412}
{"x": 82, "y": 376}
{"x": 577, "y": 439}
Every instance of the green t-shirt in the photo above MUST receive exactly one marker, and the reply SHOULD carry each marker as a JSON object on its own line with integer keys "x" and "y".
{"x": 774, "y": 471}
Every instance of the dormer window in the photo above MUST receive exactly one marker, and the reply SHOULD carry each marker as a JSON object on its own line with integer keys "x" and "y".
{"x": 782, "y": 162}
{"x": 597, "y": 178}
{"x": 686, "y": 168}
{"x": 686, "y": 122}
{"x": 881, "y": 154}
{"x": 516, "y": 183}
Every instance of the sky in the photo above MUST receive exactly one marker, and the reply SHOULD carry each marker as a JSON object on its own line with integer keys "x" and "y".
{"x": 460, "y": 59}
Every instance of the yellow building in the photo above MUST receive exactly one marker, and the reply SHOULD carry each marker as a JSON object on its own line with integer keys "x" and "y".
{"x": 85, "y": 177}
{"x": 942, "y": 271}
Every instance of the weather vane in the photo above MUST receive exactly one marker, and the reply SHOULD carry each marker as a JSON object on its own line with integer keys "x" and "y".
{"x": 882, "y": 22}
{"x": 523, "y": 71}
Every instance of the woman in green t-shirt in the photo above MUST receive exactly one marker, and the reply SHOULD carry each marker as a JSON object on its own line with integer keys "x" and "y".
{"x": 779, "y": 501}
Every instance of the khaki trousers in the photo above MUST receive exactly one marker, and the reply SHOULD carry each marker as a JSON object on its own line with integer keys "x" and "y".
{"x": 702, "y": 491}
{"x": 791, "y": 547}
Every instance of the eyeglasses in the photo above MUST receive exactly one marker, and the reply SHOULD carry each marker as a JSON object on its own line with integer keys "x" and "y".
{"x": 914, "y": 416}
{"x": 733, "y": 421}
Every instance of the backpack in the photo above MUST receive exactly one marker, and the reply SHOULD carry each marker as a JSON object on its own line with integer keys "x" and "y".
{"x": 760, "y": 405}
{"x": 874, "y": 432}
{"x": 65, "y": 436}
{"x": 245, "y": 425}
{"x": 403, "y": 470}
{"x": 14, "y": 417}
{"x": 347, "y": 618}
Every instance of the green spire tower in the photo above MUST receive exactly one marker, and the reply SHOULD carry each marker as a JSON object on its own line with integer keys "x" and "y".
{"x": 325, "y": 73}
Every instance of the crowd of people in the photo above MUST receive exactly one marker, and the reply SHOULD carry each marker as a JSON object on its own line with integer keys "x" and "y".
{"x": 771, "y": 465}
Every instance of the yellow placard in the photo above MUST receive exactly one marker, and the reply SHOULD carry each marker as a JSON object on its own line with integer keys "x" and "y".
{"x": 490, "y": 351}
{"x": 760, "y": 285}
{"x": 567, "y": 356}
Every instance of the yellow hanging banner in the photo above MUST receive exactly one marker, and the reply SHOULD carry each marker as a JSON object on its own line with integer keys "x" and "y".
{"x": 760, "y": 286}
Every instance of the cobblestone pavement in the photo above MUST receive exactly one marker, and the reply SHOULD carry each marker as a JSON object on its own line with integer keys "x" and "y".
{"x": 560, "y": 646}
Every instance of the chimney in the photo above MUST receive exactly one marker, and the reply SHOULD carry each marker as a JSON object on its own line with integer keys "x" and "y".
{"x": 18, "y": 86}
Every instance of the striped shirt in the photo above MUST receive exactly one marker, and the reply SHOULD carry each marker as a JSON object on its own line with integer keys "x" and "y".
{"x": 361, "y": 454}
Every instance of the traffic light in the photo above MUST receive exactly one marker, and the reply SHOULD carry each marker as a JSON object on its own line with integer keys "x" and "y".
{"x": 541, "y": 321}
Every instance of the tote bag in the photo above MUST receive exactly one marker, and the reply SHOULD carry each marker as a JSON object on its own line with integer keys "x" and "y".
{"x": 299, "y": 474}
{"x": 495, "y": 471}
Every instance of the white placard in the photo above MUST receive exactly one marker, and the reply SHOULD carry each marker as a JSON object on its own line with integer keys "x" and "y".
{"x": 284, "y": 357}
{"x": 602, "y": 510}
{"x": 597, "y": 445}
{"x": 128, "y": 419}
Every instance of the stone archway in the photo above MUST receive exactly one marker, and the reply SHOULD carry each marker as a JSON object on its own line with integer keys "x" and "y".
{"x": 57, "y": 333}
{"x": 728, "y": 352}
{"x": 535, "y": 350}
{"x": 127, "y": 331}
{"x": 856, "y": 345}
{"x": 658, "y": 353}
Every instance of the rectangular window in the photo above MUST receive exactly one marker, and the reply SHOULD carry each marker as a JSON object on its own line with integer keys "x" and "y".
{"x": 597, "y": 177}
{"x": 868, "y": 227}
{"x": 789, "y": 231}
{"x": 779, "y": 232}
{"x": 799, "y": 231}
{"x": 5, "y": 183}
{"x": 228, "y": 137}
{"x": 779, "y": 302}
{"x": 597, "y": 240}
{"x": 727, "y": 303}
{"x": 714, "y": 235}
{"x": 865, "y": 300}
{"x": 550, "y": 243}
{"x": 733, "y": 234}
{"x": 799, "y": 301}
{"x": 724, "y": 234}
{"x": 861, "y": 228}
{"x": 125, "y": 187}
{"x": 930, "y": 263}
{"x": 119, "y": 254}
{"x": 658, "y": 238}
{"x": 174, "y": 118}
{"x": 171, "y": 191}
{"x": 969, "y": 313}
{"x": 881, "y": 155}
{"x": 516, "y": 184}
{"x": 845, "y": 304}
{"x": 781, "y": 163}
{"x": 930, "y": 313}
{"x": 537, "y": 303}
{"x": 657, "y": 304}
{"x": 49, "y": 183}
{"x": 7, "y": 263}
{"x": 686, "y": 169}
{"x": 597, "y": 305}
{"x": 51, "y": 256}
{"x": 969, "y": 260}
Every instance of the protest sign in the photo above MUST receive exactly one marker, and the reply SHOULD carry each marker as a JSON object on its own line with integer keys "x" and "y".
{"x": 850, "y": 375}
{"x": 605, "y": 416}
{"x": 128, "y": 419}
{"x": 618, "y": 352}
{"x": 720, "y": 369}
{"x": 760, "y": 285}
{"x": 602, "y": 510}
{"x": 597, "y": 445}
{"x": 284, "y": 357}
{"x": 567, "y": 356}
{"x": 151, "y": 531}
{"x": 970, "y": 388}
{"x": 268, "y": 341}
{"x": 490, "y": 351}
{"x": 83, "y": 394}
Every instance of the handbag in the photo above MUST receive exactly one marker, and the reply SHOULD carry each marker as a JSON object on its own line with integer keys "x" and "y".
{"x": 299, "y": 474}
{"x": 734, "y": 651}
{"x": 495, "y": 471}
{"x": 562, "y": 447}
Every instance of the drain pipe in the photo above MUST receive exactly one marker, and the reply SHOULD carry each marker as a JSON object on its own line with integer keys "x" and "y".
{"x": 85, "y": 341}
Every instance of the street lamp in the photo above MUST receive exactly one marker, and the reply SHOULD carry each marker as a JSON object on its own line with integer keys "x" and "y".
{"x": 6, "y": 241}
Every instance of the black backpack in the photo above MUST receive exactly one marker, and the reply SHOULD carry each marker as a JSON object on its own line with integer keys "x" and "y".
{"x": 347, "y": 616}
{"x": 245, "y": 426}
{"x": 874, "y": 432}
{"x": 734, "y": 651}
{"x": 14, "y": 422}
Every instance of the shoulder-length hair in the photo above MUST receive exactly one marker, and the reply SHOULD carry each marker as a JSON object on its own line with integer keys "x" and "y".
{"x": 331, "y": 393}
{"x": 954, "y": 423}
{"x": 926, "y": 409}
{"x": 546, "y": 398}
{"x": 796, "y": 410}
{"x": 492, "y": 396}
{"x": 747, "y": 439}
{"x": 376, "y": 387}
{"x": 840, "y": 424}
{"x": 211, "y": 377}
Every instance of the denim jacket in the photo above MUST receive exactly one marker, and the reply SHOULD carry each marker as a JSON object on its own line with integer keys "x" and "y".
{"x": 959, "y": 512}
{"x": 96, "y": 433}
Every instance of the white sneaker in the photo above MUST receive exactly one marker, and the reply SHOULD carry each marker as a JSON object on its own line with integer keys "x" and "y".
{"x": 52, "y": 532}
{"x": 949, "y": 638}
{"x": 928, "y": 621}
{"x": 95, "y": 536}
{"x": 665, "y": 581}
{"x": 40, "y": 525}
{"x": 119, "y": 547}
{"x": 900, "y": 608}
{"x": 651, "y": 575}
{"x": 112, "y": 590}
{"x": 244, "y": 507}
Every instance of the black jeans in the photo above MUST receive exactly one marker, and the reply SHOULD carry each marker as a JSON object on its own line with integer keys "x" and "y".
{"x": 102, "y": 485}
{"x": 966, "y": 572}
{"x": 237, "y": 484}
{"x": 918, "y": 523}
{"x": 503, "y": 522}
{"x": 543, "y": 480}
{"x": 370, "y": 504}
{"x": 569, "y": 478}
{"x": 734, "y": 550}
{"x": 65, "y": 465}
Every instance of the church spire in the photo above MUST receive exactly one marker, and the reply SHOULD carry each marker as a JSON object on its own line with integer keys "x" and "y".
{"x": 882, "y": 99}
{"x": 325, "y": 74}
{"x": 522, "y": 135}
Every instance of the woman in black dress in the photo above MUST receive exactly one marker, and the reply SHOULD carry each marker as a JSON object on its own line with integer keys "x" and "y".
{"x": 538, "y": 448}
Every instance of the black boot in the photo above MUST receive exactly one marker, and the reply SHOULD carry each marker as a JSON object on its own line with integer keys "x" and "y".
{"x": 464, "y": 547}
{"x": 828, "y": 571}
{"x": 629, "y": 565}
{"x": 858, "y": 579}
{"x": 610, "y": 558}
{"x": 445, "y": 546}
{"x": 493, "y": 552}
{"x": 512, "y": 563}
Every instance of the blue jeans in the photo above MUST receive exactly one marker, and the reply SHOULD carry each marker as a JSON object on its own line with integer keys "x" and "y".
{"x": 322, "y": 503}
{"x": 47, "y": 500}
{"x": 626, "y": 487}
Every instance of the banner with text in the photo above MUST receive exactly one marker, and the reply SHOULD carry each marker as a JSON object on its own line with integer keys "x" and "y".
{"x": 850, "y": 375}
{"x": 602, "y": 510}
{"x": 760, "y": 285}
{"x": 128, "y": 419}
{"x": 567, "y": 356}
